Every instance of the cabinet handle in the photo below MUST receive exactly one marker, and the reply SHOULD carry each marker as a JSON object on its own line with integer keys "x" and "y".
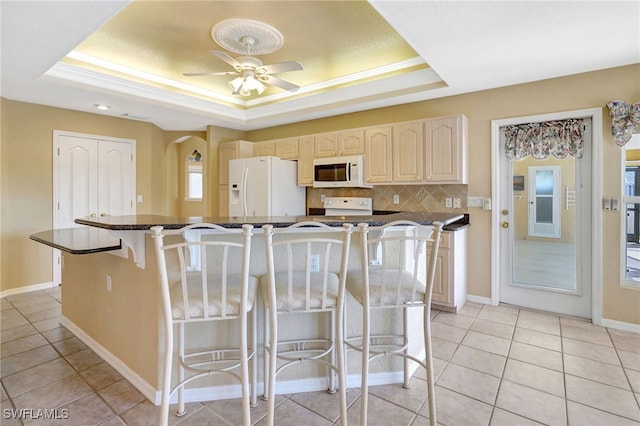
{"x": 92, "y": 215}
{"x": 104, "y": 214}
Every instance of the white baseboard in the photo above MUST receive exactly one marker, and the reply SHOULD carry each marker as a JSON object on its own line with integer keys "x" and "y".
{"x": 618, "y": 325}
{"x": 478, "y": 299}
{"x": 26, "y": 289}
{"x": 138, "y": 382}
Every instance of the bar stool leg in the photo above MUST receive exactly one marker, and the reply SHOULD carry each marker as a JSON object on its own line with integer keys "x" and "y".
{"x": 431, "y": 387}
{"x": 181, "y": 409}
{"x": 405, "y": 342}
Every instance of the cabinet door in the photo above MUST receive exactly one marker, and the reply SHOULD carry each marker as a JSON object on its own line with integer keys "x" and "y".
{"x": 378, "y": 155}
{"x": 351, "y": 142}
{"x": 445, "y": 149}
{"x": 441, "y": 292}
{"x": 230, "y": 151}
{"x": 326, "y": 145}
{"x": 287, "y": 149}
{"x": 223, "y": 200}
{"x": 264, "y": 148}
{"x": 226, "y": 152}
{"x": 408, "y": 152}
{"x": 305, "y": 160}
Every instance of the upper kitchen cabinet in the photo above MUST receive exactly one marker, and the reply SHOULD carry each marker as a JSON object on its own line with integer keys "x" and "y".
{"x": 351, "y": 142}
{"x": 446, "y": 150}
{"x": 306, "y": 152}
{"x": 337, "y": 144}
{"x": 326, "y": 144}
{"x": 230, "y": 151}
{"x": 407, "y": 152}
{"x": 378, "y": 155}
{"x": 262, "y": 149}
{"x": 287, "y": 148}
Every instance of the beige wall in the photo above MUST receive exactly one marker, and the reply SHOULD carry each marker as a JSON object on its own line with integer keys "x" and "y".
{"x": 589, "y": 90}
{"x": 27, "y": 169}
{"x": 27, "y": 196}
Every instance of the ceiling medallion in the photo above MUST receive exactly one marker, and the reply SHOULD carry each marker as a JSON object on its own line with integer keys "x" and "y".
{"x": 229, "y": 34}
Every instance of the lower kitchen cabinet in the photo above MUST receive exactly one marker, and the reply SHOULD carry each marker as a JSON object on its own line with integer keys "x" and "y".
{"x": 450, "y": 284}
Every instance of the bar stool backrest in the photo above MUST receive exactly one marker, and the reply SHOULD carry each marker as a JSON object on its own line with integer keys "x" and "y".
{"x": 395, "y": 265}
{"x": 201, "y": 268}
{"x": 311, "y": 258}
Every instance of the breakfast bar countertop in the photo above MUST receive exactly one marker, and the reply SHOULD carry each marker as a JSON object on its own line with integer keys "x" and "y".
{"x": 143, "y": 222}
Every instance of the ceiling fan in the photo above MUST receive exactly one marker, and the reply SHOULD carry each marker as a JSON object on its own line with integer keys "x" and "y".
{"x": 252, "y": 73}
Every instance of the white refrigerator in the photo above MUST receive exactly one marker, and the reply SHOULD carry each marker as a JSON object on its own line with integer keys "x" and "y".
{"x": 265, "y": 186}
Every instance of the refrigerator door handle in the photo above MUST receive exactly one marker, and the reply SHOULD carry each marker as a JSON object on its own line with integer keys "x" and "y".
{"x": 243, "y": 195}
{"x": 348, "y": 172}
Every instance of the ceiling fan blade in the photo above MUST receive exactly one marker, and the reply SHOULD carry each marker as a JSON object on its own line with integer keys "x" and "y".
{"x": 228, "y": 59}
{"x": 275, "y": 81}
{"x": 281, "y": 67}
{"x": 197, "y": 74}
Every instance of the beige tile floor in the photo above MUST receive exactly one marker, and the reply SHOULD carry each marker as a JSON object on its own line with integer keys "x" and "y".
{"x": 495, "y": 366}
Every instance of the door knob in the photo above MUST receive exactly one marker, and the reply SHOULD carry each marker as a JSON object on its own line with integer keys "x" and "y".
{"x": 505, "y": 224}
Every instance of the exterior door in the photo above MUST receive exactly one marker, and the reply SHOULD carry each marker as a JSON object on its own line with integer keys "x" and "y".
{"x": 535, "y": 288}
{"x": 544, "y": 201}
{"x": 92, "y": 177}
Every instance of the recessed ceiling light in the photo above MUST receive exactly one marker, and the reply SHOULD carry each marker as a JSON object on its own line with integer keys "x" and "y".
{"x": 102, "y": 107}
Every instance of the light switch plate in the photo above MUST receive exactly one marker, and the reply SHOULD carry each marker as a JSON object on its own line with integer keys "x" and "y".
{"x": 448, "y": 203}
{"x": 606, "y": 203}
{"x": 615, "y": 204}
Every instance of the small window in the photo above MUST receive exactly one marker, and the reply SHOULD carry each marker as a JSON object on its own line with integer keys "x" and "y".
{"x": 194, "y": 176}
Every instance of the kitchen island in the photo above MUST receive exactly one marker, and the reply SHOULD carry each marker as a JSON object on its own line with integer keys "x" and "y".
{"x": 111, "y": 300}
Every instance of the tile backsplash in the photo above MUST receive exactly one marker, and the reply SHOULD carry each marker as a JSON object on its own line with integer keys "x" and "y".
{"x": 413, "y": 198}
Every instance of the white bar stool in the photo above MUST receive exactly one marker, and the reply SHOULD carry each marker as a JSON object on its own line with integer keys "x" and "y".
{"x": 217, "y": 287}
{"x": 306, "y": 272}
{"x": 393, "y": 279}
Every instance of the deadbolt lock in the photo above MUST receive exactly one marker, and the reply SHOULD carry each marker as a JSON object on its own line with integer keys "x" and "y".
{"x": 505, "y": 212}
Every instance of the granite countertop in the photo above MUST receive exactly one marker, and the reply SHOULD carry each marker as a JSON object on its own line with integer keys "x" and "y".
{"x": 81, "y": 240}
{"x": 144, "y": 222}
{"x": 108, "y": 233}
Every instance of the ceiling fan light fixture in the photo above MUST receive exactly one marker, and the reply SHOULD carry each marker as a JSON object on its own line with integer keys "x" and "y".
{"x": 251, "y": 83}
{"x": 236, "y": 84}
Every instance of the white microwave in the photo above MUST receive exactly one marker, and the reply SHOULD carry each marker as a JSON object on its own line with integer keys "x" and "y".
{"x": 339, "y": 172}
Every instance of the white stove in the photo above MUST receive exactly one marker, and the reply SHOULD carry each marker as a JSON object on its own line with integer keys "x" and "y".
{"x": 348, "y": 206}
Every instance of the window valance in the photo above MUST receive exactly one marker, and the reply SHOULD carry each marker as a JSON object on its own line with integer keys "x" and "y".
{"x": 625, "y": 120}
{"x": 539, "y": 140}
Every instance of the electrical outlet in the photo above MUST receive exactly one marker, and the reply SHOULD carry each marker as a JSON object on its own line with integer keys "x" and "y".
{"x": 456, "y": 203}
{"x": 108, "y": 282}
{"x": 322, "y": 197}
{"x": 448, "y": 203}
{"x": 396, "y": 199}
{"x": 314, "y": 263}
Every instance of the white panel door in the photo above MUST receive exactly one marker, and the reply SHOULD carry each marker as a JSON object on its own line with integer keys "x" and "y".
{"x": 92, "y": 177}
{"x": 77, "y": 180}
{"x": 115, "y": 175}
{"x": 532, "y": 273}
